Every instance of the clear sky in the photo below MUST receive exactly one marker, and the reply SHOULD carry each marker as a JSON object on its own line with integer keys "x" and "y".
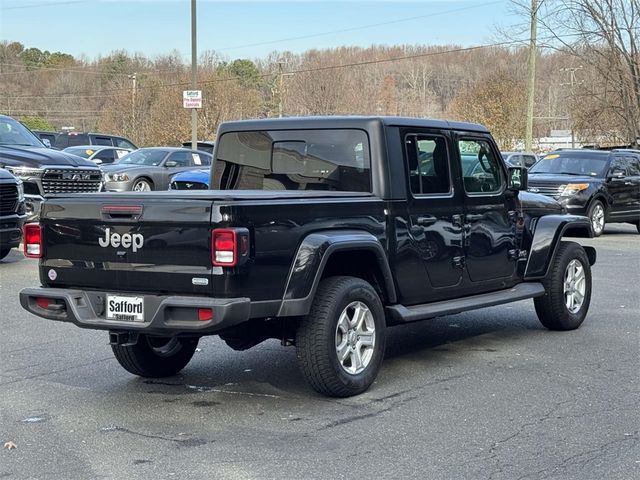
{"x": 241, "y": 29}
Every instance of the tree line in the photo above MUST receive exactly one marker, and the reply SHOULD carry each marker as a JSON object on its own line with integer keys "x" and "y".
{"x": 587, "y": 80}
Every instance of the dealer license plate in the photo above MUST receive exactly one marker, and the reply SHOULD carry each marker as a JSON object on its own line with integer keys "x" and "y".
{"x": 125, "y": 309}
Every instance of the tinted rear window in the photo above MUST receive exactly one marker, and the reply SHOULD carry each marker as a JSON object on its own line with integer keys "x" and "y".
{"x": 72, "y": 140}
{"x": 336, "y": 160}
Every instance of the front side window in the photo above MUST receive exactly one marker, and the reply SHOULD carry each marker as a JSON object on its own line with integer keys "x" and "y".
{"x": 334, "y": 160}
{"x": 181, "y": 157}
{"x": 481, "y": 172}
{"x": 428, "y": 162}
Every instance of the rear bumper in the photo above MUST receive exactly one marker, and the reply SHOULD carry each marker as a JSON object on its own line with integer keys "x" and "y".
{"x": 163, "y": 315}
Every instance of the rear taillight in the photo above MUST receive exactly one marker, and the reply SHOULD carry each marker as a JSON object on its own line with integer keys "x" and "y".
{"x": 229, "y": 246}
{"x": 32, "y": 240}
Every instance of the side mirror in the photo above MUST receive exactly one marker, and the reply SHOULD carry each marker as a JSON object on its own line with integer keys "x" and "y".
{"x": 170, "y": 164}
{"x": 97, "y": 161}
{"x": 518, "y": 178}
{"x": 46, "y": 141}
{"x": 616, "y": 174}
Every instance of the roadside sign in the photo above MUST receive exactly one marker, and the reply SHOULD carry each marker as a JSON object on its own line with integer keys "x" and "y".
{"x": 192, "y": 98}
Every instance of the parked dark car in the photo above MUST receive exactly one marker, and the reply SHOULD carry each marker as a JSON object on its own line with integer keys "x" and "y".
{"x": 379, "y": 227}
{"x": 151, "y": 168}
{"x": 43, "y": 170}
{"x": 604, "y": 185}
{"x": 74, "y": 139}
{"x": 517, "y": 159}
{"x": 99, "y": 154}
{"x": 12, "y": 212}
{"x": 202, "y": 145}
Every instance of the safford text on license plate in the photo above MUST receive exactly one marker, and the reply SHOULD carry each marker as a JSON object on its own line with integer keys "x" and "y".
{"x": 127, "y": 309}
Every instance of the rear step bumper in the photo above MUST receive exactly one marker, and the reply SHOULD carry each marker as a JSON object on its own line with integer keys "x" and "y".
{"x": 163, "y": 315}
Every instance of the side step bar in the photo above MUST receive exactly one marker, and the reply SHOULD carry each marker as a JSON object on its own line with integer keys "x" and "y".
{"x": 522, "y": 291}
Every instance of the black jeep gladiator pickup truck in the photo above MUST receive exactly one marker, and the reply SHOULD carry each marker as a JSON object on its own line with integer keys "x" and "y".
{"x": 320, "y": 232}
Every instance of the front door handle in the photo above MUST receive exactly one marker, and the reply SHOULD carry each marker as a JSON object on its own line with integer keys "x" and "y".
{"x": 426, "y": 221}
{"x": 473, "y": 217}
{"x": 456, "y": 220}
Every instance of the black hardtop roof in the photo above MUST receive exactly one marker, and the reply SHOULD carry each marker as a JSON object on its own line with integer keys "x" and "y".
{"x": 96, "y": 147}
{"x": 330, "y": 121}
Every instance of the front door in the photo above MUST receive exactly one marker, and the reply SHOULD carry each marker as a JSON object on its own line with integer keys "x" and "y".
{"x": 490, "y": 214}
{"x": 623, "y": 183}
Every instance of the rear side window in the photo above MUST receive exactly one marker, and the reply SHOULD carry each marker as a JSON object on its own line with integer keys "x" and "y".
{"x": 123, "y": 143}
{"x": 428, "y": 162}
{"x": 72, "y": 140}
{"x": 634, "y": 166}
{"x": 102, "y": 141}
{"x": 335, "y": 160}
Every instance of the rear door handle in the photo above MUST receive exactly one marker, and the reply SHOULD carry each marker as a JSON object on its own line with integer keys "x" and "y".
{"x": 473, "y": 217}
{"x": 426, "y": 221}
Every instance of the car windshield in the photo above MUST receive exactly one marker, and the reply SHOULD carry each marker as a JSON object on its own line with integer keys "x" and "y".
{"x": 81, "y": 152}
{"x": 143, "y": 156}
{"x": 572, "y": 163}
{"x": 13, "y": 132}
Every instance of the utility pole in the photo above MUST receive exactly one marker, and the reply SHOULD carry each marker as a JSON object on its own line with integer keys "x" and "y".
{"x": 281, "y": 76}
{"x": 194, "y": 76}
{"x": 133, "y": 78}
{"x": 572, "y": 83}
{"x": 531, "y": 71}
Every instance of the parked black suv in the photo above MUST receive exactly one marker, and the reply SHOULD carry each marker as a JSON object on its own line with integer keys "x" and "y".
{"x": 604, "y": 185}
{"x": 73, "y": 139}
{"x": 12, "y": 212}
{"x": 43, "y": 170}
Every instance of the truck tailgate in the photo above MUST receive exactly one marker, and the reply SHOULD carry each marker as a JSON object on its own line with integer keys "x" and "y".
{"x": 132, "y": 243}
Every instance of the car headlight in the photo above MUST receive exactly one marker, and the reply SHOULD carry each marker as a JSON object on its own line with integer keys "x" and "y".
{"x": 20, "y": 191}
{"x": 117, "y": 177}
{"x": 25, "y": 172}
{"x": 573, "y": 188}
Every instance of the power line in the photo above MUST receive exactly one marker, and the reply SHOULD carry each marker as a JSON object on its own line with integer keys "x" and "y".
{"x": 363, "y": 27}
{"x": 44, "y": 4}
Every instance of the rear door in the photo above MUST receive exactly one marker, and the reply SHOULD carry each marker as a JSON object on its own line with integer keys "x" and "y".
{"x": 434, "y": 217}
{"x": 489, "y": 214}
{"x": 128, "y": 243}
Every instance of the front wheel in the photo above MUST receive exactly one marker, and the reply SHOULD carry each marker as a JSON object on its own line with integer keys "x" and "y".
{"x": 567, "y": 289}
{"x": 596, "y": 215}
{"x": 340, "y": 343}
{"x": 142, "y": 185}
{"x": 156, "y": 357}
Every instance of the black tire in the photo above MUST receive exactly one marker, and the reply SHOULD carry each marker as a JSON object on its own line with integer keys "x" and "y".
{"x": 597, "y": 208}
{"x": 552, "y": 308}
{"x": 142, "y": 185}
{"x": 317, "y": 333}
{"x": 638, "y": 227}
{"x": 4, "y": 252}
{"x": 156, "y": 357}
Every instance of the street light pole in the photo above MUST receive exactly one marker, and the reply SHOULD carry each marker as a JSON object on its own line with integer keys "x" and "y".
{"x": 194, "y": 76}
{"x": 133, "y": 78}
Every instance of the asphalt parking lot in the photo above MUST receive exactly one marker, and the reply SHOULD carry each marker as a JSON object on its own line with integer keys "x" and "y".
{"x": 482, "y": 395}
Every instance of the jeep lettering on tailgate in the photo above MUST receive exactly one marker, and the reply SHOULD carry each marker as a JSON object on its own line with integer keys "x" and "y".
{"x": 126, "y": 240}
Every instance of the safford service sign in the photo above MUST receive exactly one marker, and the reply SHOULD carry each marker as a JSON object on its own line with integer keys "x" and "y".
{"x": 192, "y": 98}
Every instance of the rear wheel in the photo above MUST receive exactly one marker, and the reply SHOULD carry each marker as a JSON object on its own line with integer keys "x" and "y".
{"x": 340, "y": 344}
{"x": 638, "y": 227}
{"x": 142, "y": 185}
{"x": 596, "y": 215}
{"x": 156, "y": 356}
{"x": 567, "y": 289}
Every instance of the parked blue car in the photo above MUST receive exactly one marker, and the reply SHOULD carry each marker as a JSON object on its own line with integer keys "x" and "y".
{"x": 191, "y": 180}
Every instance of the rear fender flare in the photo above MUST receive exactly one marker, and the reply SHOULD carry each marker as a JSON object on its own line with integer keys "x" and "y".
{"x": 311, "y": 258}
{"x": 549, "y": 231}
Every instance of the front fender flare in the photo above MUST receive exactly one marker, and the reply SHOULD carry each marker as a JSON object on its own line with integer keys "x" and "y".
{"x": 549, "y": 230}
{"x": 311, "y": 258}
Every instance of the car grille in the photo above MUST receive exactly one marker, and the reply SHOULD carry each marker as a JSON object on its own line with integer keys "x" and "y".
{"x": 8, "y": 199}
{"x": 189, "y": 186}
{"x": 72, "y": 180}
{"x": 549, "y": 190}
